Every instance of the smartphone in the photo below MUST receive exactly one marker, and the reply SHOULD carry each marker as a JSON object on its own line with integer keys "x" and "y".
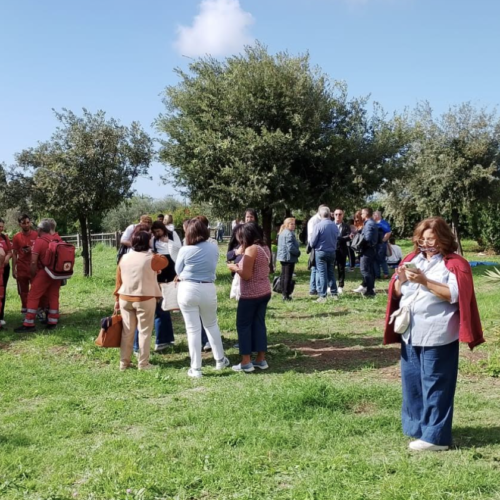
{"x": 410, "y": 265}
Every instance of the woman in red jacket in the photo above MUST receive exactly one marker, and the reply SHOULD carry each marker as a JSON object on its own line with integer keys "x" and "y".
{"x": 436, "y": 285}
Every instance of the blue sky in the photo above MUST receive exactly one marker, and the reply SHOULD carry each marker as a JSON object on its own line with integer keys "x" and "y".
{"x": 118, "y": 55}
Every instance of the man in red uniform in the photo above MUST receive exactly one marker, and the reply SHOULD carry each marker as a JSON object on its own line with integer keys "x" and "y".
{"x": 22, "y": 243}
{"x": 41, "y": 283}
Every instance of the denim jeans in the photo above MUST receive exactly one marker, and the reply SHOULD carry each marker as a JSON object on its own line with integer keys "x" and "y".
{"x": 251, "y": 324}
{"x": 325, "y": 263}
{"x": 366, "y": 265}
{"x": 381, "y": 260}
{"x": 163, "y": 328}
{"x": 429, "y": 379}
{"x": 313, "y": 283}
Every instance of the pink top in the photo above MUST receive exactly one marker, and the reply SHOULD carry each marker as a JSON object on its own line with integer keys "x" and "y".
{"x": 258, "y": 285}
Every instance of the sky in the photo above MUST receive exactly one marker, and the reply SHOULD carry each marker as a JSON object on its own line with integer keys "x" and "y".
{"x": 119, "y": 55}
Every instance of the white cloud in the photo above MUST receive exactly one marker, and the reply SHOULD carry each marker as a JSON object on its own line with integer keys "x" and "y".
{"x": 221, "y": 28}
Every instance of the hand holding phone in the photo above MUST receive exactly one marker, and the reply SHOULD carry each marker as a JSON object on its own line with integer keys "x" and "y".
{"x": 410, "y": 265}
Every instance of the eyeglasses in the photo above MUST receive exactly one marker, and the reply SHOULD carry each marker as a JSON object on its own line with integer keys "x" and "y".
{"x": 429, "y": 241}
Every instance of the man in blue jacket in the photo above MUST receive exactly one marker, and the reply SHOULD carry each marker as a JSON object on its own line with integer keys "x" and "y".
{"x": 369, "y": 251}
{"x": 324, "y": 241}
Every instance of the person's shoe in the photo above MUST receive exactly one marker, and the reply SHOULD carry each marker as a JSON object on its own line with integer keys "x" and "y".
{"x": 207, "y": 347}
{"x": 224, "y": 363}
{"x": 50, "y": 326}
{"x": 369, "y": 295}
{"x": 287, "y": 299}
{"x": 312, "y": 294}
{"x": 321, "y": 300}
{"x": 248, "y": 368}
{"x": 126, "y": 367}
{"x": 162, "y": 347}
{"x": 351, "y": 269}
{"x": 24, "y": 329}
{"x": 194, "y": 373}
{"x": 260, "y": 364}
{"x": 40, "y": 316}
{"x": 360, "y": 289}
{"x": 147, "y": 367}
{"x": 340, "y": 290}
{"x": 420, "y": 445}
{"x": 2, "y": 322}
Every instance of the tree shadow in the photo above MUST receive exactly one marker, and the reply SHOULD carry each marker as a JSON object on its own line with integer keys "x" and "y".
{"x": 17, "y": 440}
{"x": 475, "y": 436}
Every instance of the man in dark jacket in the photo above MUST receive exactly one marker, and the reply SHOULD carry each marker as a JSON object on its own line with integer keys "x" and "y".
{"x": 344, "y": 237}
{"x": 368, "y": 253}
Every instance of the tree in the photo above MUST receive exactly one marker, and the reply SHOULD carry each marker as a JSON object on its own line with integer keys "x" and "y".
{"x": 452, "y": 165}
{"x": 270, "y": 132}
{"x": 87, "y": 168}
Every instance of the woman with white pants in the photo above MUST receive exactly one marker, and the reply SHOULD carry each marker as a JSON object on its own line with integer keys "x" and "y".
{"x": 197, "y": 296}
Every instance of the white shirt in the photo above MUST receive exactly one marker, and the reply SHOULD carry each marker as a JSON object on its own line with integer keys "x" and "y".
{"x": 127, "y": 234}
{"x": 310, "y": 226}
{"x": 396, "y": 256}
{"x": 434, "y": 321}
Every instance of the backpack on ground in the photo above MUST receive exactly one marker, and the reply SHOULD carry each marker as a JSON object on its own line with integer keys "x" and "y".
{"x": 59, "y": 260}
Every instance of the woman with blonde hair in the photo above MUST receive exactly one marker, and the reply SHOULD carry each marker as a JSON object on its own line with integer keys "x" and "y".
{"x": 434, "y": 290}
{"x": 288, "y": 255}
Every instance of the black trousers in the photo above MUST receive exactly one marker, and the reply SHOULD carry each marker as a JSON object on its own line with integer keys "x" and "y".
{"x": 366, "y": 261}
{"x": 341, "y": 257}
{"x": 6, "y": 274}
{"x": 287, "y": 269}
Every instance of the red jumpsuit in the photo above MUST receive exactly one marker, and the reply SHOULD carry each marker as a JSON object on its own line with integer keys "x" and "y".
{"x": 6, "y": 248}
{"x": 41, "y": 285}
{"x": 22, "y": 243}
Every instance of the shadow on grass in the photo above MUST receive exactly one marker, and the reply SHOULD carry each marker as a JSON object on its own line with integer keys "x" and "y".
{"x": 475, "y": 436}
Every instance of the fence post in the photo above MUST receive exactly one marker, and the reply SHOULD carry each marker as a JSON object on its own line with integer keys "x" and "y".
{"x": 118, "y": 236}
{"x": 77, "y": 240}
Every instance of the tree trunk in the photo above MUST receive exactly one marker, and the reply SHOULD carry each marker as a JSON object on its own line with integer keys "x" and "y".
{"x": 85, "y": 245}
{"x": 456, "y": 232}
{"x": 89, "y": 229}
{"x": 267, "y": 224}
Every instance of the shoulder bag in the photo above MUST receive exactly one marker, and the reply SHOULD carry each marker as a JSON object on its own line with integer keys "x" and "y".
{"x": 402, "y": 316}
{"x": 111, "y": 331}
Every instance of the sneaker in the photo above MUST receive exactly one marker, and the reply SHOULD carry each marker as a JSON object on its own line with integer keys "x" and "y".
{"x": 40, "y": 316}
{"x": 22, "y": 329}
{"x": 147, "y": 367}
{"x": 420, "y": 445}
{"x": 369, "y": 295}
{"x": 2, "y": 322}
{"x": 224, "y": 363}
{"x": 126, "y": 367}
{"x": 162, "y": 347}
{"x": 260, "y": 364}
{"x": 195, "y": 373}
{"x": 207, "y": 347}
{"x": 340, "y": 290}
{"x": 313, "y": 293}
{"x": 360, "y": 289}
{"x": 321, "y": 300}
{"x": 243, "y": 368}
{"x": 287, "y": 299}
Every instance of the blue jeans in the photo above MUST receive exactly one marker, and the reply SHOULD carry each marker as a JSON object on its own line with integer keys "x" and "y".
{"x": 313, "y": 283}
{"x": 251, "y": 324}
{"x": 429, "y": 378}
{"x": 381, "y": 260}
{"x": 325, "y": 263}
{"x": 163, "y": 328}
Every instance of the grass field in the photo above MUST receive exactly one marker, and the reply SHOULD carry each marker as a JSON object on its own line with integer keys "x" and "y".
{"x": 322, "y": 423}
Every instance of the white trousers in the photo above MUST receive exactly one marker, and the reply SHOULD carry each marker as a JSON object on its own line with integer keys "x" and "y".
{"x": 199, "y": 300}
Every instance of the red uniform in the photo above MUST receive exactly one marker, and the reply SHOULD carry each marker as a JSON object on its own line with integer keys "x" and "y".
{"x": 5, "y": 244}
{"x": 41, "y": 285}
{"x": 23, "y": 243}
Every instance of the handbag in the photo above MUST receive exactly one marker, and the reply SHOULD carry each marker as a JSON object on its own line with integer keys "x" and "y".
{"x": 169, "y": 293}
{"x": 277, "y": 285}
{"x": 402, "y": 316}
{"x": 235, "y": 292}
{"x": 358, "y": 242}
{"x": 111, "y": 331}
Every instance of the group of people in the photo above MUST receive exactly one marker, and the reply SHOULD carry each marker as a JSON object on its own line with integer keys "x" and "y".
{"x": 38, "y": 291}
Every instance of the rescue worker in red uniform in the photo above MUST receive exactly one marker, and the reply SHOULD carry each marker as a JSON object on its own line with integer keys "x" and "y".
{"x": 2, "y": 288}
{"x": 7, "y": 246}
{"x": 22, "y": 243}
{"x": 41, "y": 284}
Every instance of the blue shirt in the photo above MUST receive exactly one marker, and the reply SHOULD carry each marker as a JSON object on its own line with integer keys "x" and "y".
{"x": 385, "y": 226}
{"x": 197, "y": 262}
{"x": 325, "y": 235}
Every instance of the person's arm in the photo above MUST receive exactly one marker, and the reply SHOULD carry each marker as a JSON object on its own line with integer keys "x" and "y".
{"x": 34, "y": 264}
{"x": 246, "y": 271}
{"x": 14, "y": 258}
{"x": 314, "y": 236}
{"x": 441, "y": 290}
{"x": 179, "y": 263}
{"x": 2, "y": 257}
{"x": 294, "y": 245}
{"x": 126, "y": 239}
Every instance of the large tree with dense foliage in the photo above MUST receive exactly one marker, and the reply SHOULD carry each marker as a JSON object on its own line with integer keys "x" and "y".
{"x": 87, "y": 168}
{"x": 452, "y": 166}
{"x": 269, "y": 131}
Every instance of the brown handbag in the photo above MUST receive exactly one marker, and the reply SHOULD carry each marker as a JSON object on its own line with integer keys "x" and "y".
{"x": 111, "y": 331}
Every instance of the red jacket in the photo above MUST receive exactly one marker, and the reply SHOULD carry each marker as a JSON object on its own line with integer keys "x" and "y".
{"x": 470, "y": 323}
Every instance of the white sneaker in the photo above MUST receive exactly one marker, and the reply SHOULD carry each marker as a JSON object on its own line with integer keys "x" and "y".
{"x": 321, "y": 300}
{"x": 220, "y": 365}
{"x": 420, "y": 445}
{"x": 360, "y": 289}
{"x": 193, "y": 373}
{"x": 340, "y": 290}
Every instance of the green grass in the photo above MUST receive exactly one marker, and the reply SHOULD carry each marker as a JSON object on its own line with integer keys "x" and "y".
{"x": 322, "y": 423}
